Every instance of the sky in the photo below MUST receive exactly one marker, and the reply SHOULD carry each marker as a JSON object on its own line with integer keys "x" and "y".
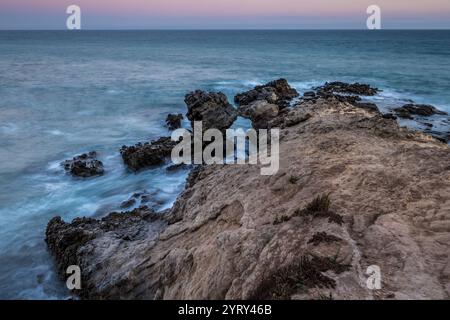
{"x": 224, "y": 14}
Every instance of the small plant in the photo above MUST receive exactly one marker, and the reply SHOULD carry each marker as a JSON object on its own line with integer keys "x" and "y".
{"x": 319, "y": 204}
{"x": 320, "y": 208}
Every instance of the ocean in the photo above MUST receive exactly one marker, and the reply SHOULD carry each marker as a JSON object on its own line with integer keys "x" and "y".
{"x": 63, "y": 93}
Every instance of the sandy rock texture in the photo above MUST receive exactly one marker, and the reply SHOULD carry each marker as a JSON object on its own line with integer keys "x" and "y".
{"x": 353, "y": 190}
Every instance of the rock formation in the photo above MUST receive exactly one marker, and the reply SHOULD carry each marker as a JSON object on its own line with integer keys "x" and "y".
{"x": 213, "y": 109}
{"x": 354, "y": 190}
{"x": 424, "y": 110}
{"x": 143, "y": 155}
{"x": 277, "y": 92}
{"x": 85, "y": 165}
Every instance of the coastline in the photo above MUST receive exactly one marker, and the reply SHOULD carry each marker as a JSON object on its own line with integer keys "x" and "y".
{"x": 215, "y": 244}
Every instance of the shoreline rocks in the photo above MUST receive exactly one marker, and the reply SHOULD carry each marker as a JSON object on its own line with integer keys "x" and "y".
{"x": 143, "y": 155}
{"x": 354, "y": 189}
{"x": 348, "y": 88}
{"x": 409, "y": 110}
{"x": 277, "y": 92}
{"x": 84, "y": 166}
{"x": 212, "y": 108}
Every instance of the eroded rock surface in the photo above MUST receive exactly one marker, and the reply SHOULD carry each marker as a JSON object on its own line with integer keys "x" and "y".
{"x": 143, "y": 155}
{"x": 353, "y": 190}
{"x": 277, "y": 92}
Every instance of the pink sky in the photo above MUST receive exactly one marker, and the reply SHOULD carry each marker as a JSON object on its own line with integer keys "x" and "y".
{"x": 126, "y": 9}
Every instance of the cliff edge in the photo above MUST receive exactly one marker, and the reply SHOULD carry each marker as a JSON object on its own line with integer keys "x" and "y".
{"x": 354, "y": 190}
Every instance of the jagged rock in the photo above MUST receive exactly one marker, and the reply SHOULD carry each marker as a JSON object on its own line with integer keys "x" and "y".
{"x": 389, "y": 116}
{"x": 425, "y": 110}
{"x": 85, "y": 165}
{"x": 213, "y": 109}
{"x": 144, "y": 155}
{"x": 349, "y": 88}
{"x": 275, "y": 92}
{"x": 173, "y": 121}
{"x": 66, "y": 241}
{"x": 260, "y": 112}
{"x": 371, "y": 107}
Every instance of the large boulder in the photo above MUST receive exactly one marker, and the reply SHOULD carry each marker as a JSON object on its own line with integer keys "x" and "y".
{"x": 144, "y": 155}
{"x": 275, "y": 92}
{"x": 212, "y": 108}
{"x": 260, "y": 112}
{"x": 425, "y": 110}
{"x": 85, "y": 165}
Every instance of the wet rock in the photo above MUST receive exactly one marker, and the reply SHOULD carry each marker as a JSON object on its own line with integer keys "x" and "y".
{"x": 85, "y": 165}
{"x": 173, "y": 121}
{"x": 277, "y": 92}
{"x": 424, "y": 110}
{"x": 213, "y": 109}
{"x": 144, "y": 155}
{"x": 128, "y": 203}
{"x": 349, "y": 88}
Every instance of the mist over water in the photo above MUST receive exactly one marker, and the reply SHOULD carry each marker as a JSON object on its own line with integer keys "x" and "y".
{"x": 65, "y": 93}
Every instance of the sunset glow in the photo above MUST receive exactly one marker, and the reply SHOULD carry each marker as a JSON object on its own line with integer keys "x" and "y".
{"x": 263, "y": 13}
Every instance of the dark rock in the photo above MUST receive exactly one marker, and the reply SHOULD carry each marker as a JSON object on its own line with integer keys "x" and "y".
{"x": 213, "y": 109}
{"x": 64, "y": 239}
{"x": 425, "y": 110}
{"x": 128, "y": 203}
{"x": 309, "y": 94}
{"x": 145, "y": 155}
{"x": 371, "y": 107}
{"x": 85, "y": 165}
{"x": 349, "y": 88}
{"x": 389, "y": 116}
{"x": 275, "y": 92}
{"x": 173, "y": 121}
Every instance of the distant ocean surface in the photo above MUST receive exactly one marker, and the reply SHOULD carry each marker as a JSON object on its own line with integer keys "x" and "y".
{"x": 63, "y": 93}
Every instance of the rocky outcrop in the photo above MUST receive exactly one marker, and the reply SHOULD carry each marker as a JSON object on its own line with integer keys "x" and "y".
{"x": 143, "y": 155}
{"x": 213, "y": 109}
{"x": 173, "y": 121}
{"x": 354, "y": 190}
{"x": 277, "y": 92}
{"x": 99, "y": 238}
{"x": 348, "y": 88}
{"x": 410, "y": 110}
{"x": 260, "y": 112}
{"x": 85, "y": 165}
